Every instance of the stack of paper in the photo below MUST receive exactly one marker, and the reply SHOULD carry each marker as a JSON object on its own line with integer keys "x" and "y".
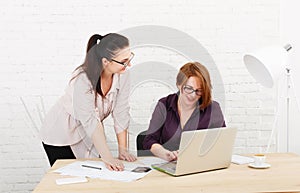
{"x": 77, "y": 169}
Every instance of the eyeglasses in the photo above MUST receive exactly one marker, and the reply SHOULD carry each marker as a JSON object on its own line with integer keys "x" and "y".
{"x": 125, "y": 64}
{"x": 189, "y": 90}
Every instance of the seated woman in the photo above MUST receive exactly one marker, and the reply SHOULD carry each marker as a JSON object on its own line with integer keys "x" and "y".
{"x": 191, "y": 108}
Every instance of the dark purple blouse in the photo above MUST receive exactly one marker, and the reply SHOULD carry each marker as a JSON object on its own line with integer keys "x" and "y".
{"x": 165, "y": 127}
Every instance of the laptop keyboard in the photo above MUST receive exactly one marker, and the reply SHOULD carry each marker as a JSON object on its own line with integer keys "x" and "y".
{"x": 170, "y": 166}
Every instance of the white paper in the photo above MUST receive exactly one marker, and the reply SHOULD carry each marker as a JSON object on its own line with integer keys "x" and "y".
{"x": 238, "y": 159}
{"x": 62, "y": 181}
{"x": 76, "y": 169}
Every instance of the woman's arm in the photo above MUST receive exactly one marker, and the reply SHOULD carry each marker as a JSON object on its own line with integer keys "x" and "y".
{"x": 159, "y": 151}
{"x": 157, "y": 122}
{"x": 122, "y": 146}
{"x": 152, "y": 140}
{"x": 83, "y": 102}
{"x": 100, "y": 144}
{"x": 216, "y": 116}
{"x": 121, "y": 116}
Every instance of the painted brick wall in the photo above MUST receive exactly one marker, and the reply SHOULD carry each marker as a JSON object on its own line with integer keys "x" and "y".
{"x": 41, "y": 42}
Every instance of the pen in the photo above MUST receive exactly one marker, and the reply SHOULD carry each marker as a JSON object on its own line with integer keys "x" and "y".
{"x": 86, "y": 166}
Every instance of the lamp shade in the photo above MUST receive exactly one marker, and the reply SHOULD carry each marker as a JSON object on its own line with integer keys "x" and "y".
{"x": 266, "y": 64}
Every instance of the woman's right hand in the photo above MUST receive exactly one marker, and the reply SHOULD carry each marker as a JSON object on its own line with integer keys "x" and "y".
{"x": 113, "y": 164}
{"x": 159, "y": 151}
{"x": 169, "y": 155}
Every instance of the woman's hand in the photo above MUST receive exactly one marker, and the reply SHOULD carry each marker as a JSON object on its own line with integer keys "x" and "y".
{"x": 169, "y": 155}
{"x": 125, "y": 155}
{"x": 159, "y": 151}
{"x": 113, "y": 164}
{"x": 123, "y": 151}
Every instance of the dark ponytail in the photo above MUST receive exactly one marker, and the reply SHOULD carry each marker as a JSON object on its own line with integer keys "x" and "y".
{"x": 93, "y": 41}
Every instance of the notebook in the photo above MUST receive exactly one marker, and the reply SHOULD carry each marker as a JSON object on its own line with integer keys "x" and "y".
{"x": 202, "y": 150}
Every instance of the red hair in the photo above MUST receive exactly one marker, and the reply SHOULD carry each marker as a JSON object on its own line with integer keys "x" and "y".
{"x": 199, "y": 71}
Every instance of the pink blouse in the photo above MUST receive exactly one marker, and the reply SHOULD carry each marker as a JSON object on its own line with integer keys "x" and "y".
{"x": 74, "y": 117}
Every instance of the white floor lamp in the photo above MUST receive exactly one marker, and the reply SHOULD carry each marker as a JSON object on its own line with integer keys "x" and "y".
{"x": 266, "y": 65}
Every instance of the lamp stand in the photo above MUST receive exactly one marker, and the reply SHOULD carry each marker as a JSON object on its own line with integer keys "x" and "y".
{"x": 288, "y": 89}
{"x": 288, "y": 47}
{"x": 288, "y": 86}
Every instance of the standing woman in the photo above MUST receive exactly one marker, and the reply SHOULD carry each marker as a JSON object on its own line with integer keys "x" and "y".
{"x": 100, "y": 86}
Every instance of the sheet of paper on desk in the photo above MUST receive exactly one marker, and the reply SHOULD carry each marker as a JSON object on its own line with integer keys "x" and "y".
{"x": 238, "y": 159}
{"x": 76, "y": 169}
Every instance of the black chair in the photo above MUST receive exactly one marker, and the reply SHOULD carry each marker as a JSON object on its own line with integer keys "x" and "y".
{"x": 139, "y": 145}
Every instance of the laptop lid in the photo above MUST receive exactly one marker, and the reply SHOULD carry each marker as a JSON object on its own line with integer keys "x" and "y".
{"x": 203, "y": 150}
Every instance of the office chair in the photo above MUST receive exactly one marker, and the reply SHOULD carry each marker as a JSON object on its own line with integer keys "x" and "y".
{"x": 139, "y": 145}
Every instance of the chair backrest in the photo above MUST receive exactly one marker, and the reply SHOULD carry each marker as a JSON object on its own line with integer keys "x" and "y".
{"x": 139, "y": 145}
{"x": 35, "y": 112}
{"x": 149, "y": 81}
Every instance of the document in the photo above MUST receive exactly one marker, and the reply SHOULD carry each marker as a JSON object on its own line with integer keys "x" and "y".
{"x": 97, "y": 169}
{"x": 72, "y": 180}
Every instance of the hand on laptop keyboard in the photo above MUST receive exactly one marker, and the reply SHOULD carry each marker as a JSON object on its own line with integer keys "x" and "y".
{"x": 159, "y": 151}
{"x": 170, "y": 155}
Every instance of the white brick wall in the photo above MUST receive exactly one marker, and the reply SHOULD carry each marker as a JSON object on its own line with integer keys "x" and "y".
{"x": 41, "y": 42}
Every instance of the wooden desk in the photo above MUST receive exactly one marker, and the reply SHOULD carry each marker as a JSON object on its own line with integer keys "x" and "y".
{"x": 283, "y": 176}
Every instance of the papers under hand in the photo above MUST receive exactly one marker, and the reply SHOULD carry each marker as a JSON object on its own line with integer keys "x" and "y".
{"x": 238, "y": 159}
{"x": 77, "y": 169}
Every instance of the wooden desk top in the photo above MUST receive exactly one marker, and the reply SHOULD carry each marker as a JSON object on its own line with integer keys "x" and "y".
{"x": 283, "y": 176}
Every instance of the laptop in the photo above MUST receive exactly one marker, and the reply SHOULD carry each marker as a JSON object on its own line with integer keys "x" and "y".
{"x": 201, "y": 150}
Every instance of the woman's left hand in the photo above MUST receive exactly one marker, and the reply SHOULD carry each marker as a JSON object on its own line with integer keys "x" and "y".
{"x": 125, "y": 155}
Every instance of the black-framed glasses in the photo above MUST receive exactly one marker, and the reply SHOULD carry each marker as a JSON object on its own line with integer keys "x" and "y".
{"x": 125, "y": 64}
{"x": 189, "y": 90}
